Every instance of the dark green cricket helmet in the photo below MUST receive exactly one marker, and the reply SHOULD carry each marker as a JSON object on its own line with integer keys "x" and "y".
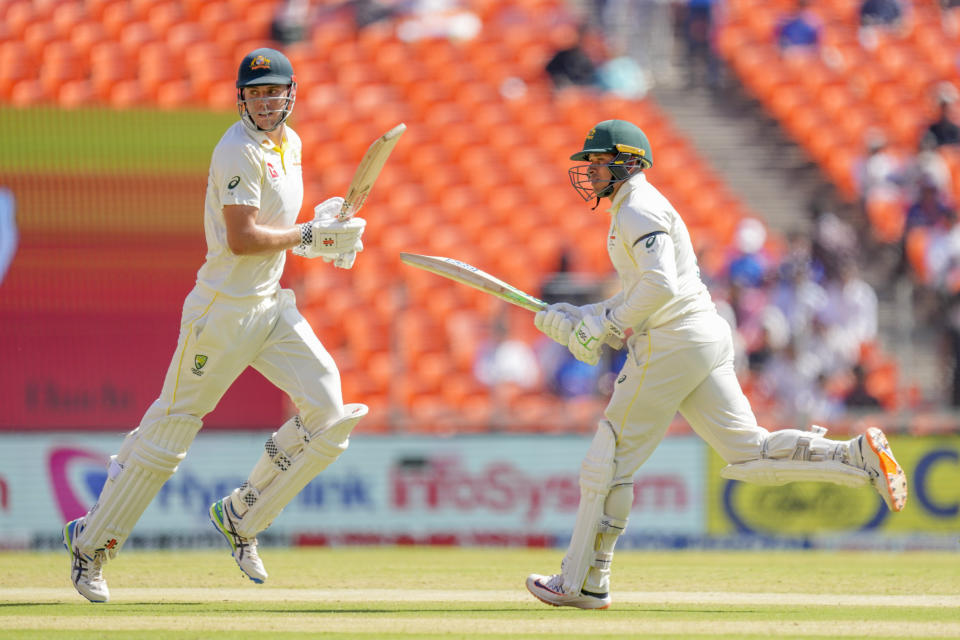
{"x": 631, "y": 150}
{"x": 265, "y": 66}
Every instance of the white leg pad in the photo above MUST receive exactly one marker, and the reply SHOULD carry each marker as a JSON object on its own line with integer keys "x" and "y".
{"x": 596, "y": 475}
{"x": 777, "y": 472}
{"x": 260, "y": 506}
{"x": 148, "y": 457}
{"x": 791, "y": 455}
{"x": 280, "y": 450}
{"x": 613, "y": 523}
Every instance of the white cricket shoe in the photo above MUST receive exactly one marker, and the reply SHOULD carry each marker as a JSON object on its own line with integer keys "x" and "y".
{"x": 86, "y": 572}
{"x": 885, "y": 473}
{"x": 549, "y": 589}
{"x": 244, "y": 549}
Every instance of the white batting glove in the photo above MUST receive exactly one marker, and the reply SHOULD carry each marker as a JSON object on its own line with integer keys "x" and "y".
{"x": 345, "y": 260}
{"x": 329, "y": 209}
{"x": 329, "y": 237}
{"x": 587, "y": 339}
{"x": 556, "y": 322}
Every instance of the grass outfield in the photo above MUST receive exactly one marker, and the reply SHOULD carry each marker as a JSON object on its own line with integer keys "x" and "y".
{"x": 392, "y": 593}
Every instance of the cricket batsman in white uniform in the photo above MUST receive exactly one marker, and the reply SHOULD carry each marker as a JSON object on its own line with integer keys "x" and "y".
{"x": 680, "y": 358}
{"x": 238, "y": 316}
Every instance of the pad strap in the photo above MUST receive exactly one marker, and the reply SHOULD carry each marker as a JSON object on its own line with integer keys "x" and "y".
{"x": 317, "y": 452}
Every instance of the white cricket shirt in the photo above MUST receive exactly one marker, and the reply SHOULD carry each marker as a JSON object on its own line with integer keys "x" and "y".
{"x": 248, "y": 169}
{"x": 660, "y": 280}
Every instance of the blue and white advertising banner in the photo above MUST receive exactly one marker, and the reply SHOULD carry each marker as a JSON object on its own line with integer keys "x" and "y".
{"x": 517, "y": 490}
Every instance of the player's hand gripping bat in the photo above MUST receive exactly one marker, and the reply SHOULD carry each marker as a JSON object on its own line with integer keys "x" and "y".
{"x": 473, "y": 277}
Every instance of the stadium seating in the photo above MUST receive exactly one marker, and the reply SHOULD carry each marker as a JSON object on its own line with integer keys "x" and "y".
{"x": 480, "y": 174}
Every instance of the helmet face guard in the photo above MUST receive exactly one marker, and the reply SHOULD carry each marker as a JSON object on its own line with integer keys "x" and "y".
{"x": 285, "y": 108}
{"x": 263, "y": 67}
{"x": 627, "y": 162}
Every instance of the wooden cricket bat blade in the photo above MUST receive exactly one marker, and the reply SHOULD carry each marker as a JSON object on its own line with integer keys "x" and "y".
{"x": 367, "y": 171}
{"x": 471, "y": 276}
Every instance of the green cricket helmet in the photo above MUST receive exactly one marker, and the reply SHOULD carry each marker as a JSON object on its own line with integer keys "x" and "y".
{"x": 631, "y": 151}
{"x": 266, "y": 67}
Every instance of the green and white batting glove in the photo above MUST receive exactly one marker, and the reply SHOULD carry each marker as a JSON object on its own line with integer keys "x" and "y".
{"x": 587, "y": 339}
{"x": 557, "y": 321}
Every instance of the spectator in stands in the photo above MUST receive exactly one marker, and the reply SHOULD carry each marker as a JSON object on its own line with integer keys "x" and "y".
{"x": 448, "y": 19}
{"x": 930, "y": 209}
{"x": 927, "y": 167}
{"x": 748, "y": 267}
{"x": 506, "y": 360}
{"x": 850, "y": 313}
{"x": 702, "y": 60}
{"x": 880, "y": 13}
{"x": 799, "y": 31}
{"x": 290, "y": 22}
{"x": 832, "y": 239}
{"x": 858, "y": 396}
{"x": 879, "y": 171}
{"x": 571, "y": 65}
{"x": 944, "y": 129}
{"x": 367, "y": 12}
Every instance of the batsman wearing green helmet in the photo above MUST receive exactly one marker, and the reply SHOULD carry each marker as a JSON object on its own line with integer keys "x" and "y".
{"x": 681, "y": 359}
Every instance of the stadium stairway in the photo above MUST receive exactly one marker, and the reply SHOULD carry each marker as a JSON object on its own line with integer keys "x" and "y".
{"x": 748, "y": 149}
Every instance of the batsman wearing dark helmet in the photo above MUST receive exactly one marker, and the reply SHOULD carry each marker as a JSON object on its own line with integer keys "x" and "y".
{"x": 237, "y": 316}
{"x": 680, "y": 359}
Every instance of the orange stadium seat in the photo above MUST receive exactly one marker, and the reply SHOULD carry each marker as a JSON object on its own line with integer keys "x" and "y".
{"x": 480, "y": 174}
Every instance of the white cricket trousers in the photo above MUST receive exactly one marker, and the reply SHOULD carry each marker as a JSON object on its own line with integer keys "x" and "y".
{"x": 684, "y": 366}
{"x": 221, "y": 336}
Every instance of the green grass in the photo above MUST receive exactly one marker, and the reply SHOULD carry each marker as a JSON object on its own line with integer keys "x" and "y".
{"x": 406, "y": 593}
{"x": 49, "y": 140}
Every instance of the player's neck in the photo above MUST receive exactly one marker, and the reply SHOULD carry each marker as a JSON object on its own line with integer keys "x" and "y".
{"x": 276, "y": 136}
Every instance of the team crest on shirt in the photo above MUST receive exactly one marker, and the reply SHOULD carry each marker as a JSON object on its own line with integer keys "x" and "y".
{"x": 199, "y": 360}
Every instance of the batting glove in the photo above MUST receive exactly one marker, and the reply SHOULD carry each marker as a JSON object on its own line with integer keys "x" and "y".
{"x": 556, "y": 321}
{"x": 587, "y": 339}
{"x": 328, "y": 209}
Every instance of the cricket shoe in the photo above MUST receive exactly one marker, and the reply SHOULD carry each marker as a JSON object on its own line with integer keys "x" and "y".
{"x": 86, "y": 572}
{"x": 887, "y": 476}
{"x": 549, "y": 589}
{"x": 244, "y": 549}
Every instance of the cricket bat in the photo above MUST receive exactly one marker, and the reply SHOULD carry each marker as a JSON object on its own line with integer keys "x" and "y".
{"x": 368, "y": 170}
{"x": 471, "y": 276}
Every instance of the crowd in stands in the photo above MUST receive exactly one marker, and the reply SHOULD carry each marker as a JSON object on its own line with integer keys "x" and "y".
{"x": 804, "y": 320}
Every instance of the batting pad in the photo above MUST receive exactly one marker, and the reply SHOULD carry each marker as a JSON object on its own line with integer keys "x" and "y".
{"x": 777, "y": 472}
{"x": 148, "y": 457}
{"x": 596, "y": 475}
{"x": 316, "y": 455}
